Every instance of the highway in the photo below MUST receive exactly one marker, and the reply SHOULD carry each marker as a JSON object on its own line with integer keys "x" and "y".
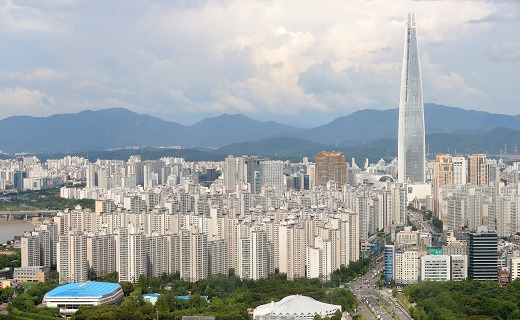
{"x": 374, "y": 303}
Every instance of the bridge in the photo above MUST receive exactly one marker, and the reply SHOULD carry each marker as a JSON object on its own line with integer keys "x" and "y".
{"x": 26, "y": 214}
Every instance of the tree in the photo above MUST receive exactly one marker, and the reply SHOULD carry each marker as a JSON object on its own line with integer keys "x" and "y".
{"x": 6, "y": 294}
{"x": 127, "y": 287}
{"x": 143, "y": 283}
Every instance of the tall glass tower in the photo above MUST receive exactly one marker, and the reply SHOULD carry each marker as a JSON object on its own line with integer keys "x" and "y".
{"x": 411, "y": 150}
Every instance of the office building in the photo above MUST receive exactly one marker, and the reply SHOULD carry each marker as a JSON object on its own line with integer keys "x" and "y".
{"x": 253, "y": 172}
{"x": 331, "y": 166}
{"x": 435, "y": 268}
{"x": 459, "y": 267}
{"x": 514, "y": 267}
{"x": 388, "y": 267}
{"x": 483, "y": 256}
{"x": 411, "y": 141}
{"x": 30, "y": 274}
{"x": 406, "y": 267}
{"x": 18, "y": 179}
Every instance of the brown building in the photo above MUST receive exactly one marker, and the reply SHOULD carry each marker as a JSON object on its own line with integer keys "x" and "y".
{"x": 442, "y": 175}
{"x": 478, "y": 170}
{"x": 331, "y": 166}
{"x": 30, "y": 274}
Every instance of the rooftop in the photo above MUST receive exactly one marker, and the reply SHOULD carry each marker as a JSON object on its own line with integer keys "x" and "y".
{"x": 84, "y": 289}
{"x": 296, "y": 305}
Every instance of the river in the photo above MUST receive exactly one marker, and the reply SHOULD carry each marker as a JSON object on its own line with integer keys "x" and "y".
{"x": 10, "y": 229}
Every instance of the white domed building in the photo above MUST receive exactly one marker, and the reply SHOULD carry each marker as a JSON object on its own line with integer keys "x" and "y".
{"x": 294, "y": 307}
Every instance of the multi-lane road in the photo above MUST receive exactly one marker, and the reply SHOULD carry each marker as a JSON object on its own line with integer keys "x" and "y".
{"x": 374, "y": 303}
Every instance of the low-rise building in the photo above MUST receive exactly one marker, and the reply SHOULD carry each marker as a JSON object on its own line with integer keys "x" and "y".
{"x": 459, "y": 267}
{"x": 435, "y": 268}
{"x": 406, "y": 267}
{"x": 294, "y": 307}
{"x": 30, "y": 274}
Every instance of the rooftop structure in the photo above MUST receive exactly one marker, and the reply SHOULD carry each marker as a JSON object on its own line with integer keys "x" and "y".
{"x": 296, "y": 306}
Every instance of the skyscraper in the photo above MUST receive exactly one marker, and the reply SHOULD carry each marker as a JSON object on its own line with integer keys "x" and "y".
{"x": 411, "y": 150}
{"x": 331, "y": 166}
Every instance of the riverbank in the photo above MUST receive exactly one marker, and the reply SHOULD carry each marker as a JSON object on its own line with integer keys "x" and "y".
{"x": 10, "y": 229}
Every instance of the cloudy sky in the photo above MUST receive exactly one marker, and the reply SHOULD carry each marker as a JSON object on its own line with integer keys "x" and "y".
{"x": 301, "y": 62}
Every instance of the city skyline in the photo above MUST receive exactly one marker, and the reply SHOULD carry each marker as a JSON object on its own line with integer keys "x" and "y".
{"x": 186, "y": 61}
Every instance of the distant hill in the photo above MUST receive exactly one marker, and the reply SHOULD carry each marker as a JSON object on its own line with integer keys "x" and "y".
{"x": 491, "y": 142}
{"x": 119, "y": 128}
{"x": 86, "y": 130}
{"x": 278, "y": 147}
{"x": 369, "y": 125}
{"x": 231, "y": 128}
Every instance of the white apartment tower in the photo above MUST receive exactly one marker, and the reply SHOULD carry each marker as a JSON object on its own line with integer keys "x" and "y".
{"x": 72, "y": 258}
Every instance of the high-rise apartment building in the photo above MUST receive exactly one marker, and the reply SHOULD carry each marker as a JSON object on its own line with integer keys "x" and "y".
{"x": 235, "y": 173}
{"x": 442, "y": 171}
{"x": 272, "y": 176}
{"x": 157, "y": 257}
{"x": 411, "y": 141}
{"x": 218, "y": 257}
{"x": 478, "y": 170}
{"x": 101, "y": 254}
{"x": 30, "y": 250}
{"x": 460, "y": 170}
{"x": 331, "y": 166}
{"x": 198, "y": 256}
{"x": 72, "y": 258}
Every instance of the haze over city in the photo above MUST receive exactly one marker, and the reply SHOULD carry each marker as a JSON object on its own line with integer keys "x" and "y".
{"x": 303, "y": 63}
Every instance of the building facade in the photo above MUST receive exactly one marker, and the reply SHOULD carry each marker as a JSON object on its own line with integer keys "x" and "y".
{"x": 411, "y": 140}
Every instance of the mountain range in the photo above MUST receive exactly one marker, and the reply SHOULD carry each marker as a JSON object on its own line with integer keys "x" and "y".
{"x": 369, "y": 131}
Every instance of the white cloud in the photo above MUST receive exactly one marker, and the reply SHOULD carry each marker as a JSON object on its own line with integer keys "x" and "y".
{"x": 265, "y": 58}
{"x": 508, "y": 51}
{"x": 15, "y": 17}
{"x": 450, "y": 88}
{"x": 25, "y": 102}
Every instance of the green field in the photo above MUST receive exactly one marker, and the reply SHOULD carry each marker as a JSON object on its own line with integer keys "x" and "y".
{"x": 40, "y": 200}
